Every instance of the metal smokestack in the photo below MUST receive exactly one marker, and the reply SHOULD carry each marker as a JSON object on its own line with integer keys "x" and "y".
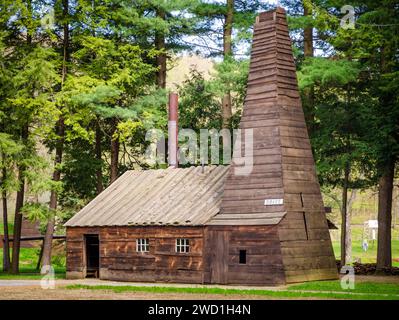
{"x": 173, "y": 130}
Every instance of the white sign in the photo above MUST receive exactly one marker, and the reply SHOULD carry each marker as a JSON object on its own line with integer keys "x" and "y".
{"x": 373, "y": 224}
{"x": 273, "y": 202}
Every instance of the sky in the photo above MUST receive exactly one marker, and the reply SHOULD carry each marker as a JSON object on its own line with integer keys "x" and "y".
{"x": 241, "y": 51}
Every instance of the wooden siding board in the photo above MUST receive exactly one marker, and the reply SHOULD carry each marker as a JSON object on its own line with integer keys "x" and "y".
{"x": 264, "y": 262}
{"x": 119, "y": 259}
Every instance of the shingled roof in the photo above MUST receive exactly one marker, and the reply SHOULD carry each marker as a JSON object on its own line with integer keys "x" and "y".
{"x": 181, "y": 196}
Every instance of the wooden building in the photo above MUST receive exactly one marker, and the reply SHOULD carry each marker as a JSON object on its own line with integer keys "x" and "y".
{"x": 209, "y": 225}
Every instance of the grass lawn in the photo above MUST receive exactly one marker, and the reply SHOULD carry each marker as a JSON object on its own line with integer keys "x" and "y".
{"x": 360, "y": 287}
{"x": 27, "y": 265}
{"x": 27, "y": 259}
{"x": 371, "y": 254}
{"x": 10, "y": 228}
{"x": 332, "y": 290}
{"x": 31, "y": 274}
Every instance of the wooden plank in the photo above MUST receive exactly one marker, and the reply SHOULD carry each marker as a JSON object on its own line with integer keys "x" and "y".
{"x": 293, "y": 142}
{"x": 272, "y": 159}
{"x": 272, "y": 123}
{"x": 292, "y": 234}
{"x": 311, "y": 275}
{"x": 259, "y": 116}
{"x": 297, "y": 186}
{"x": 255, "y": 237}
{"x": 218, "y": 264}
{"x": 300, "y": 175}
{"x": 295, "y": 152}
{"x": 250, "y": 186}
{"x": 247, "y": 222}
{"x": 180, "y": 276}
{"x": 263, "y": 261}
{"x": 323, "y": 262}
{"x": 302, "y": 252}
{"x": 267, "y": 248}
{"x": 298, "y": 160}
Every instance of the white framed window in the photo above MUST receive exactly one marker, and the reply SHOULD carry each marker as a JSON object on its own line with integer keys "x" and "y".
{"x": 142, "y": 245}
{"x": 182, "y": 245}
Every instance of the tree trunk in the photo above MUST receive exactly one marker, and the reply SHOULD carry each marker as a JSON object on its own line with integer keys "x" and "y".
{"x": 346, "y": 241}
{"x": 99, "y": 171}
{"x": 39, "y": 260}
{"x": 161, "y": 58}
{"x": 226, "y": 110}
{"x": 228, "y": 28}
{"x": 385, "y": 188}
{"x": 6, "y": 241}
{"x": 308, "y": 51}
{"x": 18, "y": 222}
{"x": 19, "y": 202}
{"x": 48, "y": 237}
{"x": 308, "y": 34}
{"x": 227, "y": 51}
{"x": 114, "y": 154}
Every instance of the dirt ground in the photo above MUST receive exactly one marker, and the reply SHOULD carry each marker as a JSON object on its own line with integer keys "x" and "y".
{"x": 31, "y": 290}
{"x": 34, "y": 293}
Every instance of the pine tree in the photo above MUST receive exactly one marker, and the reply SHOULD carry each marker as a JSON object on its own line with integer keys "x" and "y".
{"x": 236, "y": 16}
{"x": 28, "y": 107}
{"x": 9, "y": 150}
{"x": 339, "y": 137}
{"x": 371, "y": 45}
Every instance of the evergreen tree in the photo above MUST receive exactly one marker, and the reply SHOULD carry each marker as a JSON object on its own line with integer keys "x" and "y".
{"x": 371, "y": 44}
{"x": 339, "y": 134}
{"x": 220, "y": 21}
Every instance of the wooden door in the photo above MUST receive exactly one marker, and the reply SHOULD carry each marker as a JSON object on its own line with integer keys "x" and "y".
{"x": 219, "y": 246}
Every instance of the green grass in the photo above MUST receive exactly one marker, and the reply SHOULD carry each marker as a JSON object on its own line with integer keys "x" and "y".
{"x": 27, "y": 266}
{"x": 27, "y": 259}
{"x": 370, "y": 255}
{"x": 360, "y": 287}
{"x": 289, "y": 293}
{"x": 31, "y": 274}
{"x": 10, "y": 228}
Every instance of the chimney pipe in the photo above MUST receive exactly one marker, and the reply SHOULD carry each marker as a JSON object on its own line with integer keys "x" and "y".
{"x": 173, "y": 130}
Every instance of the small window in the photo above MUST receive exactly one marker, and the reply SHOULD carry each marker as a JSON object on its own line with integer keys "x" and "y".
{"x": 142, "y": 245}
{"x": 243, "y": 256}
{"x": 182, "y": 245}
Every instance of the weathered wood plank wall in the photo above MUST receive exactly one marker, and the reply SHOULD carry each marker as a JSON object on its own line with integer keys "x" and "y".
{"x": 263, "y": 265}
{"x": 213, "y": 257}
{"x": 120, "y": 261}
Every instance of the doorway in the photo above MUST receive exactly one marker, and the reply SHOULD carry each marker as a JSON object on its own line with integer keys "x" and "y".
{"x": 219, "y": 240}
{"x": 92, "y": 244}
